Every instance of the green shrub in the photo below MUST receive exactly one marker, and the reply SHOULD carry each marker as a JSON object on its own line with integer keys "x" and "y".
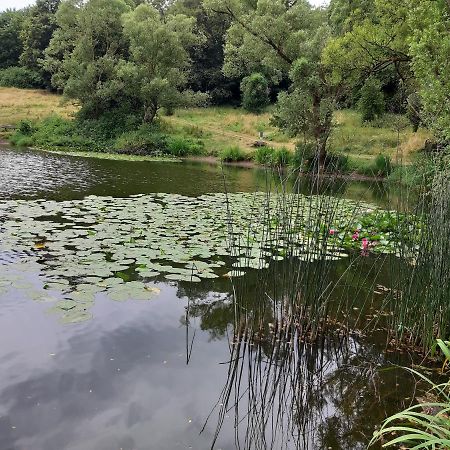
{"x": 255, "y": 92}
{"x": 264, "y": 155}
{"x": 143, "y": 141}
{"x": 233, "y": 154}
{"x": 304, "y": 156}
{"x": 282, "y": 157}
{"x": 25, "y": 127}
{"x": 21, "y": 140}
{"x": 371, "y": 102}
{"x": 383, "y": 165}
{"x": 181, "y": 146}
{"x": 20, "y": 77}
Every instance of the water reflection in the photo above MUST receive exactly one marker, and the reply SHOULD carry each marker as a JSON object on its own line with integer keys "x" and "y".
{"x": 147, "y": 375}
{"x": 288, "y": 387}
{"x": 26, "y": 173}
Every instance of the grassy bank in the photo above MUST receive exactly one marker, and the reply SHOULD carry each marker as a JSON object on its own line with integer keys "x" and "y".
{"x": 224, "y": 132}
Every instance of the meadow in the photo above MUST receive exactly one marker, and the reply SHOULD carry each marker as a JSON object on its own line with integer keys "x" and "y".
{"x": 231, "y": 131}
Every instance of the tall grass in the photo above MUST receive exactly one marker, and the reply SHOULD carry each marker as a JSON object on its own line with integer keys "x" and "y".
{"x": 303, "y": 315}
{"x": 419, "y": 300}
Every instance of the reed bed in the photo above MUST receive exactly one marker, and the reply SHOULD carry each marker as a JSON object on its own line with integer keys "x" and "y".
{"x": 309, "y": 310}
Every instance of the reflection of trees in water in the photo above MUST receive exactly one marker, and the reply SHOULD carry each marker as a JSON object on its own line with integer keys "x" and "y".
{"x": 295, "y": 379}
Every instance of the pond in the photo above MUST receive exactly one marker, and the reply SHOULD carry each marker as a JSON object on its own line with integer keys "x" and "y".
{"x": 119, "y": 329}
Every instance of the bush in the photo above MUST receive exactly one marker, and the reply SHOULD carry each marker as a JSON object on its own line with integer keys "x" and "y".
{"x": 336, "y": 162}
{"x": 282, "y": 157}
{"x": 255, "y": 92}
{"x": 233, "y": 154}
{"x": 264, "y": 155}
{"x": 383, "y": 165}
{"x": 371, "y": 102}
{"x": 20, "y": 77}
{"x": 181, "y": 146}
{"x": 305, "y": 158}
{"x": 269, "y": 156}
{"x": 143, "y": 141}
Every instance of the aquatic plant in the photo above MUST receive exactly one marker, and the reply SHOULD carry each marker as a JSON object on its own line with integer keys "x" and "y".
{"x": 425, "y": 425}
{"x": 85, "y": 247}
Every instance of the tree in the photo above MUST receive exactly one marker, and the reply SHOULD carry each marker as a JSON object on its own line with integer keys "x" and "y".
{"x": 208, "y": 57}
{"x": 255, "y": 92}
{"x": 84, "y": 54}
{"x": 307, "y": 108}
{"x": 371, "y": 101}
{"x": 37, "y": 31}
{"x": 156, "y": 71}
{"x": 411, "y": 38}
{"x": 11, "y": 43}
{"x": 429, "y": 22}
{"x": 284, "y": 40}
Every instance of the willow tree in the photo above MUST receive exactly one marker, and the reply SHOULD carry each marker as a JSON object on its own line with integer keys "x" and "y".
{"x": 283, "y": 40}
{"x": 155, "y": 73}
{"x": 85, "y": 51}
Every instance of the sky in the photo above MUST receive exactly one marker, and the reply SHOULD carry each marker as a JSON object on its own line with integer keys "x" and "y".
{"x": 17, "y": 4}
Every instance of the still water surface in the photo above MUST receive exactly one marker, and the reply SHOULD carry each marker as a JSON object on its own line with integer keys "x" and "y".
{"x": 154, "y": 375}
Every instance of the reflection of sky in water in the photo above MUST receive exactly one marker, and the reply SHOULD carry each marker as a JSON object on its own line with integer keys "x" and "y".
{"x": 143, "y": 394}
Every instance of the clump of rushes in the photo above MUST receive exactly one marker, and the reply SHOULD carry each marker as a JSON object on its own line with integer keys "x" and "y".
{"x": 269, "y": 156}
{"x": 233, "y": 154}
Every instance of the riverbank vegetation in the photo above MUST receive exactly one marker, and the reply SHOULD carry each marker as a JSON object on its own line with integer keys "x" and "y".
{"x": 173, "y": 66}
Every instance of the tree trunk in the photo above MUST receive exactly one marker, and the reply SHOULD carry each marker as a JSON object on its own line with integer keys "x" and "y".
{"x": 149, "y": 113}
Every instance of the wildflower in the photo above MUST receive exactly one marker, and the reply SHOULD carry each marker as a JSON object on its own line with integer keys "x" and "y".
{"x": 332, "y": 232}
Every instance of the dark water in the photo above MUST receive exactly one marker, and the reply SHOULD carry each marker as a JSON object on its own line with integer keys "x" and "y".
{"x": 156, "y": 375}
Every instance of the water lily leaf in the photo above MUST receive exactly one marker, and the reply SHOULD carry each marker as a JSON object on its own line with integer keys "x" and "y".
{"x": 66, "y": 305}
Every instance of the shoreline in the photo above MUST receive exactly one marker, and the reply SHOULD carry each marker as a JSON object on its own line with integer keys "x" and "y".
{"x": 211, "y": 160}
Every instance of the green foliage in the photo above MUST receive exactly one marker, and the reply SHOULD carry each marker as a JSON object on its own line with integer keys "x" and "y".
{"x": 20, "y": 77}
{"x": 282, "y": 157}
{"x": 269, "y": 156}
{"x": 415, "y": 111}
{"x": 424, "y": 425}
{"x": 383, "y": 165}
{"x": 36, "y": 33}
{"x": 264, "y": 155}
{"x": 305, "y": 158}
{"x": 255, "y": 92}
{"x": 371, "y": 102}
{"x": 182, "y": 146}
{"x": 85, "y": 51}
{"x": 207, "y": 57}
{"x": 155, "y": 73}
{"x": 144, "y": 141}
{"x": 233, "y": 154}
{"x": 429, "y": 22}
{"x": 11, "y": 43}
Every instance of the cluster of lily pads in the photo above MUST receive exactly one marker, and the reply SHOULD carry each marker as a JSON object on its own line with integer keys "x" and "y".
{"x": 122, "y": 246}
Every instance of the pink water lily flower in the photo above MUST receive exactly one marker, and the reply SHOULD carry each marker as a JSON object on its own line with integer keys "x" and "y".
{"x": 365, "y": 244}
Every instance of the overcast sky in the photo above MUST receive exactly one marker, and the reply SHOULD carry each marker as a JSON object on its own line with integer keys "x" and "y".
{"x": 5, "y": 4}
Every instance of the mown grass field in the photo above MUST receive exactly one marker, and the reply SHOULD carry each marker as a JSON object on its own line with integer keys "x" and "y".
{"x": 222, "y": 127}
